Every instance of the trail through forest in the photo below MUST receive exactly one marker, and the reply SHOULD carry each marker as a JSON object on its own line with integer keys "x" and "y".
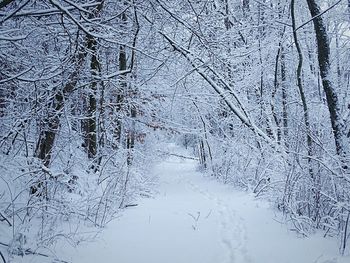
{"x": 195, "y": 219}
{"x": 92, "y": 92}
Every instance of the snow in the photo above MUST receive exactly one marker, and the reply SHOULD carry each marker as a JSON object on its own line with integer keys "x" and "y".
{"x": 195, "y": 219}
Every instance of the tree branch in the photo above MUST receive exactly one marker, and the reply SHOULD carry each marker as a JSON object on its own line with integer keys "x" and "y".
{"x": 320, "y": 14}
{"x": 240, "y": 113}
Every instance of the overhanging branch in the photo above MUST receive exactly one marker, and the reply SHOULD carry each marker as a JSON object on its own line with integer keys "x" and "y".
{"x": 240, "y": 113}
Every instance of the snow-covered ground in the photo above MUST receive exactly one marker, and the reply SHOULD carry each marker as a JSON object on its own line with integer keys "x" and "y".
{"x": 195, "y": 219}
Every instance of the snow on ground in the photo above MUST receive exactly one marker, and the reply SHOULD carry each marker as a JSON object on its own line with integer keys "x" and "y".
{"x": 195, "y": 219}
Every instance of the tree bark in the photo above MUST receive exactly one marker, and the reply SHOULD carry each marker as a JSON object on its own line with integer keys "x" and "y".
{"x": 51, "y": 123}
{"x": 4, "y": 3}
{"x": 323, "y": 50}
{"x": 122, "y": 87}
{"x": 95, "y": 67}
{"x": 314, "y": 177}
{"x": 300, "y": 81}
{"x": 284, "y": 99}
{"x": 91, "y": 134}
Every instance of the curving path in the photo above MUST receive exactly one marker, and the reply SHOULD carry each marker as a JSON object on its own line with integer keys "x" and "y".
{"x": 195, "y": 219}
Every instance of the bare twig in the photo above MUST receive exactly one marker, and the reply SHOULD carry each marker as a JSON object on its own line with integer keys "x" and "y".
{"x": 320, "y": 14}
{"x": 5, "y": 219}
{"x": 179, "y": 155}
{"x": 2, "y": 257}
{"x": 28, "y": 251}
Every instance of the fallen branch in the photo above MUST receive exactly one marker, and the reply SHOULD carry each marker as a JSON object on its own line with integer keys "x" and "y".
{"x": 28, "y": 251}
{"x": 130, "y": 205}
{"x": 181, "y": 156}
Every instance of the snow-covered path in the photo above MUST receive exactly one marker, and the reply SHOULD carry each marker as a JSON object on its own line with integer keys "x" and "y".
{"x": 198, "y": 220}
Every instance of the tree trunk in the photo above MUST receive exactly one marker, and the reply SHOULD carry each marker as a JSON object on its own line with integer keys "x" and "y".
{"x": 300, "y": 82}
{"x": 284, "y": 99}
{"x": 91, "y": 136}
{"x": 273, "y": 95}
{"x": 245, "y": 7}
{"x": 95, "y": 67}
{"x": 51, "y": 123}
{"x": 121, "y": 90}
{"x": 315, "y": 189}
{"x": 323, "y": 50}
{"x": 131, "y": 135}
{"x": 202, "y": 154}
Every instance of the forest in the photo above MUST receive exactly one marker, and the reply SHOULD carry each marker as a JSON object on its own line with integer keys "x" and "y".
{"x": 257, "y": 90}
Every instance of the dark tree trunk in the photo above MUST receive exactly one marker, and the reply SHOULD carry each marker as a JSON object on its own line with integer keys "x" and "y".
{"x": 300, "y": 81}
{"x": 324, "y": 65}
{"x": 50, "y": 125}
{"x": 202, "y": 154}
{"x": 3, "y": 96}
{"x": 122, "y": 88}
{"x": 91, "y": 135}
{"x": 273, "y": 96}
{"x": 245, "y": 8}
{"x": 284, "y": 98}
{"x": 130, "y": 144}
{"x": 4, "y": 3}
{"x": 120, "y": 94}
{"x": 91, "y": 125}
{"x": 314, "y": 176}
